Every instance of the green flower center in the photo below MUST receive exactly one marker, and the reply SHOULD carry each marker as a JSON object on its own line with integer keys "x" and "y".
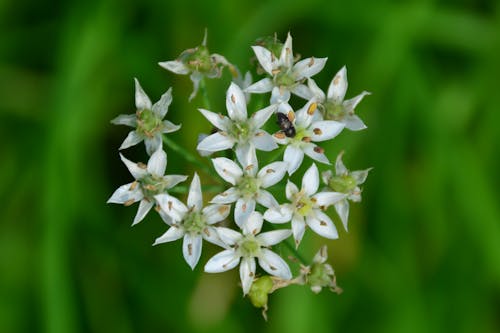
{"x": 153, "y": 185}
{"x": 197, "y": 59}
{"x": 148, "y": 123}
{"x": 242, "y": 131}
{"x": 194, "y": 222}
{"x": 248, "y": 186}
{"x": 284, "y": 78}
{"x": 342, "y": 184}
{"x": 249, "y": 246}
{"x": 333, "y": 111}
{"x": 304, "y": 204}
{"x": 319, "y": 276}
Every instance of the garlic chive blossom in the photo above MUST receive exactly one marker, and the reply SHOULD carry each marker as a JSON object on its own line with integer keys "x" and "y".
{"x": 148, "y": 121}
{"x": 149, "y": 182}
{"x": 346, "y": 182}
{"x": 286, "y": 77}
{"x": 247, "y": 246}
{"x": 249, "y": 185}
{"x": 237, "y": 129}
{"x": 307, "y": 132}
{"x": 305, "y": 208}
{"x": 192, "y": 222}
{"x": 333, "y": 107}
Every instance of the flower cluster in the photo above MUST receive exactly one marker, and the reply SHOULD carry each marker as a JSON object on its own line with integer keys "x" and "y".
{"x": 234, "y": 217}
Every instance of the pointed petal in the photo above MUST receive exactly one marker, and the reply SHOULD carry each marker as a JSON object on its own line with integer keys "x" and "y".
{"x": 325, "y": 130}
{"x": 124, "y": 194}
{"x": 157, "y": 163}
{"x": 274, "y": 264}
{"x": 360, "y": 176}
{"x": 216, "y": 142}
{"x": 291, "y": 189}
{"x": 172, "y": 234}
{"x": 175, "y": 66}
{"x": 304, "y": 116}
{"x": 326, "y": 176}
{"x": 321, "y": 224}
{"x": 278, "y": 215}
{"x": 340, "y": 168}
{"x": 260, "y": 87}
{"x": 144, "y": 207}
{"x": 342, "y": 208}
{"x": 160, "y": 108}
{"x": 242, "y": 210}
{"x": 191, "y": 249}
{"x": 125, "y": 119}
{"x": 294, "y": 157}
{"x": 228, "y": 236}
{"x": 228, "y": 196}
{"x": 264, "y": 57}
{"x": 172, "y": 206}
{"x": 194, "y": 196}
{"x": 133, "y": 168}
{"x": 310, "y": 151}
{"x": 216, "y": 213}
{"x": 169, "y": 127}
{"x": 274, "y": 237}
{"x": 211, "y": 235}
{"x": 272, "y": 173}
{"x": 338, "y": 86}
{"x": 142, "y": 100}
{"x": 222, "y": 261}
{"x": 266, "y": 199}
{"x": 328, "y": 198}
{"x": 308, "y": 67}
{"x": 298, "y": 228}
{"x": 247, "y": 273}
{"x": 132, "y": 139}
{"x": 259, "y": 118}
{"x": 245, "y": 153}
{"x": 173, "y": 180}
{"x": 351, "y": 104}
{"x": 153, "y": 144}
{"x": 316, "y": 92}
{"x": 354, "y": 123}
{"x": 310, "y": 181}
{"x": 195, "y": 78}
{"x": 227, "y": 169}
{"x": 286, "y": 56}
{"x": 280, "y": 95}
{"x": 302, "y": 91}
{"x": 253, "y": 224}
{"x": 236, "y": 103}
{"x": 264, "y": 141}
{"x": 221, "y": 122}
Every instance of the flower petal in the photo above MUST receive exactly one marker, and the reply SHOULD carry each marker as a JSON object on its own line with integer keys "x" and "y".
{"x": 328, "y": 198}
{"x": 172, "y": 206}
{"x": 286, "y": 56}
{"x": 216, "y": 213}
{"x": 360, "y": 176}
{"x": 191, "y": 249}
{"x": 338, "y": 86}
{"x": 173, "y": 180}
{"x": 321, "y": 224}
{"x": 260, "y": 87}
{"x": 157, "y": 163}
{"x": 353, "y": 123}
{"x": 294, "y": 157}
{"x": 316, "y": 92}
{"x": 280, "y": 95}
{"x": 274, "y": 237}
{"x": 311, "y": 151}
{"x": 211, "y": 235}
{"x": 264, "y": 141}
{"x": 160, "y": 108}
{"x": 298, "y": 228}
{"x": 132, "y": 139}
{"x": 304, "y": 116}
{"x": 169, "y": 127}
{"x": 308, "y": 67}
{"x": 153, "y": 144}
{"x": 175, "y": 66}
{"x": 310, "y": 180}
{"x": 142, "y": 100}
{"x": 245, "y": 154}
{"x": 259, "y": 118}
{"x": 253, "y": 224}
{"x": 221, "y": 122}
{"x": 216, "y": 142}
{"x": 144, "y": 207}
{"x": 228, "y": 196}
{"x": 342, "y": 208}
{"x": 227, "y": 169}
{"x": 125, "y": 119}
{"x": 194, "y": 199}
{"x": 247, "y": 273}
{"x": 325, "y": 130}
{"x": 274, "y": 264}
{"x": 195, "y": 77}
{"x": 280, "y": 215}
{"x": 351, "y": 104}
{"x": 236, "y": 103}
{"x": 340, "y": 168}
{"x": 272, "y": 173}
{"x": 228, "y": 236}
{"x": 242, "y": 210}
{"x": 302, "y": 91}
{"x": 266, "y": 199}
{"x": 172, "y": 234}
{"x": 222, "y": 261}
{"x": 291, "y": 189}
{"x": 124, "y": 194}
{"x": 133, "y": 168}
{"x": 264, "y": 57}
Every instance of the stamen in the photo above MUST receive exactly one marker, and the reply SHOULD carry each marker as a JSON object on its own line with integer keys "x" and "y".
{"x": 273, "y": 268}
{"x": 249, "y": 167}
{"x": 317, "y": 131}
{"x": 279, "y": 135}
{"x": 128, "y": 202}
{"x": 233, "y": 99}
{"x": 306, "y": 139}
{"x": 275, "y": 71}
{"x": 190, "y": 249}
{"x": 319, "y": 150}
{"x": 133, "y": 186}
{"x": 244, "y": 207}
{"x": 169, "y": 205}
{"x": 323, "y": 223}
{"x": 142, "y": 165}
{"x": 336, "y": 80}
{"x": 312, "y": 108}
{"x": 291, "y": 116}
{"x": 259, "y": 134}
{"x": 270, "y": 170}
{"x": 311, "y": 62}
{"x": 222, "y": 209}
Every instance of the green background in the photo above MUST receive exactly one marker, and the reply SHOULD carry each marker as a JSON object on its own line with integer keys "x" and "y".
{"x": 423, "y": 250}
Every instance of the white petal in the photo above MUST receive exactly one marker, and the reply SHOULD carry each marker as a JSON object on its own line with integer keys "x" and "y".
{"x": 294, "y": 157}
{"x": 229, "y": 196}
{"x": 211, "y": 235}
{"x": 124, "y": 194}
{"x": 342, "y": 208}
{"x": 325, "y": 130}
{"x": 153, "y": 144}
{"x": 173, "y": 180}
{"x": 298, "y": 228}
{"x": 194, "y": 196}
{"x": 175, "y": 66}
{"x": 304, "y": 117}
{"x": 134, "y": 169}
{"x": 172, "y": 234}
{"x": 260, "y": 87}
{"x": 245, "y": 154}
{"x": 328, "y": 198}
{"x": 338, "y": 86}
{"x": 160, "y": 108}
{"x": 142, "y": 100}
{"x": 264, "y": 141}
{"x": 191, "y": 249}
{"x": 274, "y": 237}
{"x": 172, "y": 206}
{"x": 132, "y": 139}
{"x": 157, "y": 163}
{"x": 312, "y": 153}
{"x": 216, "y": 213}
{"x": 291, "y": 189}
{"x": 351, "y": 104}
{"x": 278, "y": 215}
{"x": 242, "y": 211}
{"x": 259, "y": 118}
{"x": 360, "y": 176}
{"x": 144, "y": 207}
{"x": 169, "y": 127}
{"x": 302, "y": 91}
{"x": 308, "y": 67}
{"x": 274, "y": 264}
{"x": 326, "y": 176}
{"x": 266, "y": 199}
{"x": 322, "y": 225}
{"x": 236, "y": 103}
{"x": 280, "y": 95}
{"x": 253, "y": 224}
{"x": 216, "y": 142}
{"x": 222, "y": 261}
{"x": 228, "y": 236}
{"x": 227, "y": 169}
{"x": 125, "y": 119}
{"x": 195, "y": 77}
{"x": 316, "y": 92}
{"x": 354, "y": 123}
{"x": 286, "y": 56}
{"x": 265, "y": 58}
{"x": 272, "y": 173}
{"x": 340, "y": 168}
{"x": 310, "y": 181}
{"x": 247, "y": 273}
{"x": 218, "y": 120}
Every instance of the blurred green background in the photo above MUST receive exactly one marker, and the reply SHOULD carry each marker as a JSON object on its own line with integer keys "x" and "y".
{"x": 423, "y": 251}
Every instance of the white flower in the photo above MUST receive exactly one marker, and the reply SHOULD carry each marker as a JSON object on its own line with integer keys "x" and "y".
{"x": 247, "y": 246}
{"x": 243, "y": 81}
{"x": 199, "y": 62}
{"x": 191, "y": 221}
{"x": 305, "y": 208}
{"x": 307, "y": 131}
{"x": 346, "y": 182}
{"x": 149, "y": 181}
{"x": 249, "y": 185}
{"x": 287, "y": 77}
{"x": 148, "y": 120}
{"x": 333, "y": 106}
{"x": 238, "y": 129}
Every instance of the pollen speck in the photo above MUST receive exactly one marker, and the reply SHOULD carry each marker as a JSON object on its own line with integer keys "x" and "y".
{"x": 323, "y": 223}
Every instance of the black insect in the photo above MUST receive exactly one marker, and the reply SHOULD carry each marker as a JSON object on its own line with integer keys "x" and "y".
{"x": 286, "y": 125}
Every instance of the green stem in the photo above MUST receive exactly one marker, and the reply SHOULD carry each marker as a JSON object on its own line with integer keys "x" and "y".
{"x": 204, "y": 94}
{"x": 277, "y": 154}
{"x": 204, "y": 188}
{"x": 291, "y": 248}
{"x": 187, "y": 155}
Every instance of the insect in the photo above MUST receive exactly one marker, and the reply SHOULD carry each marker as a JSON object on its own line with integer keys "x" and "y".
{"x": 286, "y": 125}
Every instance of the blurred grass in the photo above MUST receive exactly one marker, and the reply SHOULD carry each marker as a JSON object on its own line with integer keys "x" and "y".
{"x": 423, "y": 250}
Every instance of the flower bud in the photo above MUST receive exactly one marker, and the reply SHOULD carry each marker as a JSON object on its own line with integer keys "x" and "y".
{"x": 260, "y": 290}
